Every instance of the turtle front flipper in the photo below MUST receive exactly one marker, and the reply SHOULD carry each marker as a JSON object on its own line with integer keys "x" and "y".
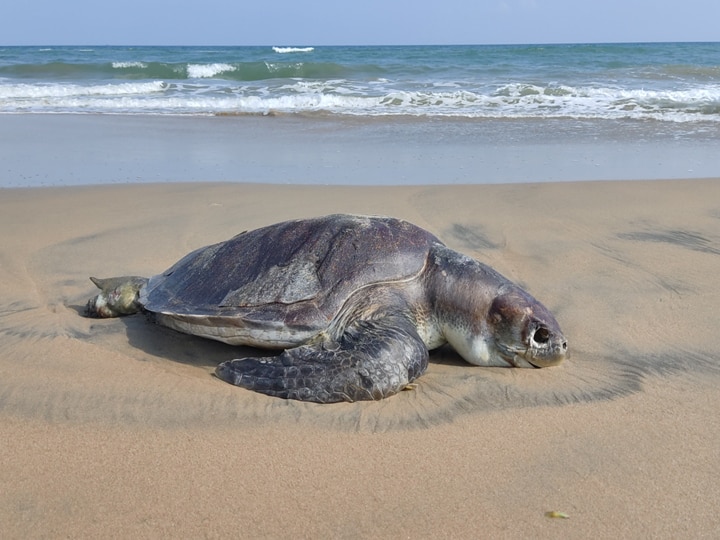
{"x": 371, "y": 360}
{"x": 118, "y": 296}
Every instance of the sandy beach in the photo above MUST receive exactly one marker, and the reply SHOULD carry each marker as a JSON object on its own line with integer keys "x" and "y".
{"x": 117, "y": 428}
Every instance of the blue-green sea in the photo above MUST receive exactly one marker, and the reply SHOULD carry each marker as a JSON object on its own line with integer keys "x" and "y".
{"x": 661, "y": 82}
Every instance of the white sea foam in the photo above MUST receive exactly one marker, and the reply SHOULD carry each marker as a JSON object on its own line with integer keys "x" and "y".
{"x": 125, "y": 65}
{"x": 285, "y": 50}
{"x": 524, "y": 100}
{"x": 35, "y": 91}
{"x": 207, "y": 71}
{"x": 272, "y": 67}
{"x": 345, "y": 97}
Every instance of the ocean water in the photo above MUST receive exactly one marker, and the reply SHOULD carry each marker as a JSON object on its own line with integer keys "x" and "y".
{"x": 359, "y": 115}
{"x": 673, "y": 83}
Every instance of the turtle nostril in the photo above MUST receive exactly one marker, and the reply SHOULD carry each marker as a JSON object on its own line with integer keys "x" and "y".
{"x": 564, "y": 345}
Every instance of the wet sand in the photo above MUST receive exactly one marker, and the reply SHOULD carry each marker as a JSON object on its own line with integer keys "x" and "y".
{"x": 63, "y": 150}
{"x": 118, "y": 428}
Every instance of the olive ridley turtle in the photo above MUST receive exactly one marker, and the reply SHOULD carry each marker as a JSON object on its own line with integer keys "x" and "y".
{"x": 356, "y": 302}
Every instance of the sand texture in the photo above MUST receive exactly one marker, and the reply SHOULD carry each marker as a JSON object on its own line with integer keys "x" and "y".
{"x": 117, "y": 428}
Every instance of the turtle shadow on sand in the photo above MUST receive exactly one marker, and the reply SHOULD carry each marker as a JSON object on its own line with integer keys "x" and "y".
{"x": 449, "y": 389}
{"x": 145, "y": 339}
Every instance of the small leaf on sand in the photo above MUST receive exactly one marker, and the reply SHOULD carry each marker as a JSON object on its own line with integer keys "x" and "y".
{"x": 556, "y": 514}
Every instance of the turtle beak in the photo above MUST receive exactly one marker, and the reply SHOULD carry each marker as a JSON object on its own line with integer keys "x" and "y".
{"x": 548, "y": 356}
{"x": 519, "y": 361}
{"x": 547, "y": 361}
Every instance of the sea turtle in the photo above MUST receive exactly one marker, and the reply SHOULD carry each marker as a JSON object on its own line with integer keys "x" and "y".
{"x": 355, "y": 301}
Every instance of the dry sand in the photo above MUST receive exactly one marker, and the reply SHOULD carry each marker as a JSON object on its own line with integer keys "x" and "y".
{"x": 116, "y": 428}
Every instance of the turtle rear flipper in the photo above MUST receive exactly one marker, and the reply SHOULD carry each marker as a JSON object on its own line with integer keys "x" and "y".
{"x": 373, "y": 359}
{"x": 119, "y": 296}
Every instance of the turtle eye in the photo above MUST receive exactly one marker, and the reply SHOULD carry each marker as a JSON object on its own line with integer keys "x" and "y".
{"x": 541, "y": 335}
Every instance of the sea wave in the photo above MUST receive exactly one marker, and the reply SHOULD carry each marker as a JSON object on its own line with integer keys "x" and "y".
{"x": 127, "y": 65}
{"x": 208, "y": 71}
{"x": 286, "y": 50}
{"x": 379, "y": 98}
{"x": 25, "y": 92}
{"x": 609, "y": 102}
{"x": 136, "y": 69}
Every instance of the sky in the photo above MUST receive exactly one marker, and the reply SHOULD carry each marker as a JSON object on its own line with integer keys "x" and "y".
{"x": 361, "y": 22}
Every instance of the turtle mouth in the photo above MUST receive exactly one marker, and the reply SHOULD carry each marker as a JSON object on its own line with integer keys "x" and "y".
{"x": 537, "y": 358}
{"x": 515, "y": 357}
{"x": 519, "y": 361}
{"x": 535, "y": 355}
{"x": 534, "y": 366}
{"x": 545, "y": 357}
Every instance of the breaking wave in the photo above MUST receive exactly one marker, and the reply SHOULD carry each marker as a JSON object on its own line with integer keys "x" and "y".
{"x": 343, "y": 97}
{"x": 207, "y": 71}
{"x": 27, "y": 93}
{"x": 232, "y": 71}
{"x": 285, "y": 50}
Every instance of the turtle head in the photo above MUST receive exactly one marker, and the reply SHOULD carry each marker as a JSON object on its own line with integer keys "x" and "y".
{"x": 489, "y": 320}
{"x": 118, "y": 296}
{"x": 525, "y": 333}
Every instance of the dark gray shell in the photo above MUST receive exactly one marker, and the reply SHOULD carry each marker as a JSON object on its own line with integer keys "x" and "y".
{"x": 298, "y": 273}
